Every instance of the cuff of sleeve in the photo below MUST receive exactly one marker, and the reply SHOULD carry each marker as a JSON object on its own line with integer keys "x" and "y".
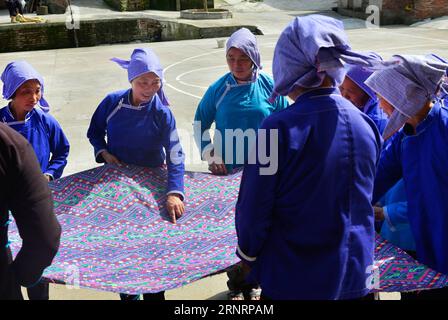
{"x": 387, "y": 218}
{"x": 177, "y": 192}
{"x": 206, "y": 149}
{"x": 50, "y": 175}
{"x": 98, "y": 157}
{"x": 244, "y": 256}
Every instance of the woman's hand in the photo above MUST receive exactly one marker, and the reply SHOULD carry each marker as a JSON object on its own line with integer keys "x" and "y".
{"x": 216, "y": 166}
{"x": 175, "y": 206}
{"x": 379, "y": 213}
{"x": 110, "y": 158}
{"x": 218, "y": 169}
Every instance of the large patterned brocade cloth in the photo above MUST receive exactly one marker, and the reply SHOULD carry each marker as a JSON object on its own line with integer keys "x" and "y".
{"x": 398, "y": 272}
{"x": 117, "y": 235}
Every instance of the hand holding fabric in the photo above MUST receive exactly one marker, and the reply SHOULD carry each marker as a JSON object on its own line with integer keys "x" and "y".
{"x": 216, "y": 165}
{"x": 217, "y": 169}
{"x": 379, "y": 213}
{"x": 110, "y": 158}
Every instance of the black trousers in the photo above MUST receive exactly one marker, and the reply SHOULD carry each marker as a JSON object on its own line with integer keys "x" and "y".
{"x": 238, "y": 280}
{"x": 14, "y": 7}
{"x": 31, "y": 6}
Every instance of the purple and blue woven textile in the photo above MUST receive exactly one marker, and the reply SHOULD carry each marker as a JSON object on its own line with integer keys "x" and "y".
{"x": 117, "y": 236}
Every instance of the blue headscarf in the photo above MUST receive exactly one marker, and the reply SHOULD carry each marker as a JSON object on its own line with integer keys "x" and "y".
{"x": 244, "y": 40}
{"x": 408, "y": 86}
{"x": 444, "y": 87}
{"x": 359, "y": 75}
{"x": 17, "y": 73}
{"x": 143, "y": 61}
{"x": 309, "y": 49}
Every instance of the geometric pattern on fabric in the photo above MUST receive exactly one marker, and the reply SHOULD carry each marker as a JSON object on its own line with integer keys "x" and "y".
{"x": 118, "y": 237}
{"x": 399, "y": 272}
{"x": 116, "y": 234}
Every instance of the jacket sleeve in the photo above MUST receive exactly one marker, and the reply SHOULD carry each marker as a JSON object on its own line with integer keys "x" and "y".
{"x": 396, "y": 213}
{"x": 98, "y": 125}
{"x": 395, "y": 205}
{"x": 32, "y": 208}
{"x": 255, "y": 205}
{"x": 175, "y": 156}
{"x": 389, "y": 170}
{"x": 203, "y": 120}
{"x": 59, "y": 148}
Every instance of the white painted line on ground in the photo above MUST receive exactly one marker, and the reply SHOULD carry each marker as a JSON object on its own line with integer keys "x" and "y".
{"x": 191, "y": 58}
{"x": 185, "y": 60}
{"x": 184, "y": 92}
{"x": 178, "y": 78}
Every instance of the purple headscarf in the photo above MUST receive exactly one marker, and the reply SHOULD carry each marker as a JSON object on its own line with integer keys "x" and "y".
{"x": 244, "y": 40}
{"x": 408, "y": 87}
{"x": 17, "y": 73}
{"x": 143, "y": 61}
{"x": 444, "y": 87}
{"x": 309, "y": 49}
{"x": 359, "y": 75}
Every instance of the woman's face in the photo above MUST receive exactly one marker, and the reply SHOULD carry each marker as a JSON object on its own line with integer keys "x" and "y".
{"x": 386, "y": 106}
{"x": 352, "y": 92}
{"x": 239, "y": 64}
{"x": 27, "y": 96}
{"x": 145, "y": 87}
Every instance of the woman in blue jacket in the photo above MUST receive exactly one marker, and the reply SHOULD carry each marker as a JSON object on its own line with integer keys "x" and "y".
{"x": 417, "y": 153}
{"x": 237, "y": 102}
{"x": 141, "y": 130}
{"x": 307, "y": 230}
{"x": 27, "y": 113}
{"x": 354, "y": 89}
